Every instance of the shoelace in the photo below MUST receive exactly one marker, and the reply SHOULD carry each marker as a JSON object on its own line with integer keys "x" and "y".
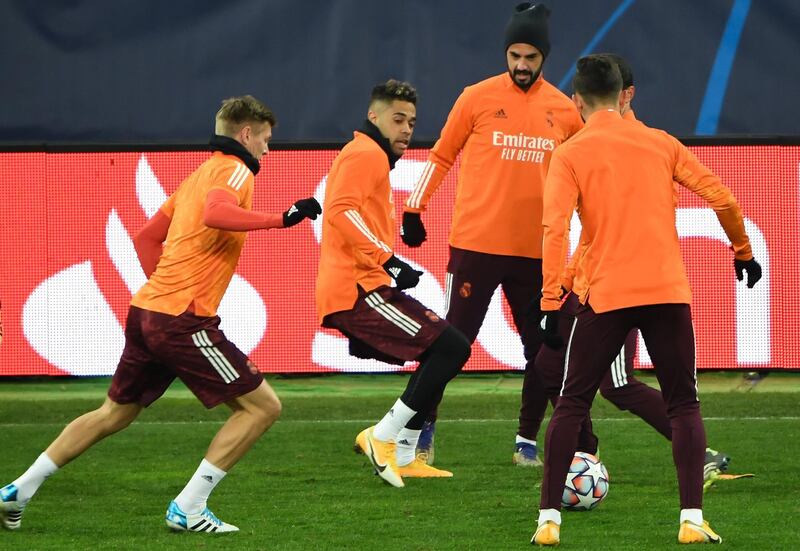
{"x": 208, "y": 514}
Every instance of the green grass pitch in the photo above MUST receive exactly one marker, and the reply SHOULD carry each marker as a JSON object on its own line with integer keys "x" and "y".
{"x": 302, "y": 487}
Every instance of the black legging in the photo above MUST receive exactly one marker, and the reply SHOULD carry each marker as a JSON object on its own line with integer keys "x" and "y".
{"x": 438, "y": 364}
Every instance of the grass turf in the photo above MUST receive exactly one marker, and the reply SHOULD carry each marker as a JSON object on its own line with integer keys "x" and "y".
{"x": 301, "y": 487}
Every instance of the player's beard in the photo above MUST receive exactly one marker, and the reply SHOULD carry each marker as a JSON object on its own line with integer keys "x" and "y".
{"x": 524, "y": 87}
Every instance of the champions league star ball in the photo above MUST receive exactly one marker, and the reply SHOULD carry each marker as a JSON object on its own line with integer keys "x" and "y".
{"x": 587, "y": 483}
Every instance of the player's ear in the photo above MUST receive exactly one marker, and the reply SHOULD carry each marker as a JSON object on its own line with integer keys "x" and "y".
{"x": 631, "y": 92}
{"x": 245, "y": 134}
{"x": 578, "y": 101}
{"x": 372, "y": 116}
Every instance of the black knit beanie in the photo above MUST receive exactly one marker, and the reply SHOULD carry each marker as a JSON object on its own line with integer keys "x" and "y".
{"x": 528, "y": 25}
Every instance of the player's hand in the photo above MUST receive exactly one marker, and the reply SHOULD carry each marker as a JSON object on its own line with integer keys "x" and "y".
{"x": 412, "y": 231}
{"x": 752, "y": 268}
{"x": 405, "y": 277}
{"x": 534, "y": 314}
{"x": 548, "y": 328}
{"x": 302, "y": 209}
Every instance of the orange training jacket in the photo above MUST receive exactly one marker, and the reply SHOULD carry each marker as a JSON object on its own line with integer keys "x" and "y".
{"x": 507, "y": 137}
{"x": 198, "y": 262}
{"x": 619, "y": 175}
{"x": 358, "y": 226}
{"x": 569, "y": 273}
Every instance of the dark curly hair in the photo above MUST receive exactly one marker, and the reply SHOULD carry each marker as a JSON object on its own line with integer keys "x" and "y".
{"x": 394, "y": 90}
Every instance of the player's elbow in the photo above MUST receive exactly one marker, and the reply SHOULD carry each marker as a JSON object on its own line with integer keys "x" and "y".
{"x": 141, "y": 241}
{"x": 211, "y": 216}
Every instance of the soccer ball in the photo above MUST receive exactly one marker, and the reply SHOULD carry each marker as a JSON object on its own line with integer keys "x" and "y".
{"x": 587, "y": 483}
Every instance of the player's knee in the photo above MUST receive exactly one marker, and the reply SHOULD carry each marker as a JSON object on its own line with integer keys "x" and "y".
{"x": 116, "y": 417}
{"x": 613, "y": 396}
{"x": 454, "y": 344}
{"x": 607, "y": 392}
{"x": 464, "y": 348}
{"x": 684, "y": 410}
{"x": 273, "y": 409}
{"x": 267, "y": 410}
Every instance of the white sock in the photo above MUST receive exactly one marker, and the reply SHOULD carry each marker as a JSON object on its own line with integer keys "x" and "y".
{"x": 393, "y": 422}
{"x": 521, "y": 440}
{"x": 194, "y": 495}
{"x": 407, "y": 446}
{"x": 29, "y": 482}
{"x": 694, "y": 516}
{"x": 553, "y": 515}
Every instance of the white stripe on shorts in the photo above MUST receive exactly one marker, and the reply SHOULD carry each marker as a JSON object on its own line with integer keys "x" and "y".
{"x": 391, "y": 313}
{"x": 215, "y": 357}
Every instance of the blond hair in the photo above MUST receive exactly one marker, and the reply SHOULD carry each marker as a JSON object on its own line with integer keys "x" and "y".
{"x": 240, "y": 111}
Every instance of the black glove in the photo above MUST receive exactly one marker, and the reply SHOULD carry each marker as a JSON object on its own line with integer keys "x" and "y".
{"x": 548, "y": 328}
{"x": 302, "y": 209}
{"x": 753, "y": 269}
{"x": 534, "y": 314}
{"x": 404, "y": 275}
{"x": 412, "y": 232}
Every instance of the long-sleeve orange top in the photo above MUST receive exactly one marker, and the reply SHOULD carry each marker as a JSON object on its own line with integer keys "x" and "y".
{"x": 569, "y": 273}
{"x": 358, "y": 226}
{"x": 198, "y": 261}
{"x": 619, "y": 175}
{"x": 507, "y": 137}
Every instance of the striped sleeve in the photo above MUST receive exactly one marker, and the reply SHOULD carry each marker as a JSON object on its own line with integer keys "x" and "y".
{"x": 454, "y": 135}
{"x": 235, "y": 178}
{"x": 357, "y": 176}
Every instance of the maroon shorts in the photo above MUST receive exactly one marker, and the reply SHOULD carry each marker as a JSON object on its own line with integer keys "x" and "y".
{"x": 160, "y": 347}
{"x": 387, "y": 325}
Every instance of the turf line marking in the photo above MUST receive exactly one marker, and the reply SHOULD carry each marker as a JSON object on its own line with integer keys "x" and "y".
{"x": 367, "y": 421}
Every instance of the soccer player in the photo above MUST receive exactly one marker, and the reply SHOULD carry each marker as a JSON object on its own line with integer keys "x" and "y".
{"x": 619, "y": 386}
{"x": 172, "y": 328}
{"x": 506, "y": 128}
{"x": 356, "y": 267}
{"x": 630, "y": 275}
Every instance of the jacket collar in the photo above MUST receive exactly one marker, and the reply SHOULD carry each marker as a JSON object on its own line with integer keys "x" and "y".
{"x": 373, "y": 132}
{"x": 537, "y": 84}
{"x": 229, "y": 146}
{"x": 603, "y": 116}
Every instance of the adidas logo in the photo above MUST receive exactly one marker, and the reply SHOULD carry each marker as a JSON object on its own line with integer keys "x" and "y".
{"x": 500, "y": 114}
{"x": 292, "y": 210}
{"x": 395, "y": 272}
{"x": 404, "y": 442}
{"x": 207, "y": 478}
{"x": 391, "y": 411}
